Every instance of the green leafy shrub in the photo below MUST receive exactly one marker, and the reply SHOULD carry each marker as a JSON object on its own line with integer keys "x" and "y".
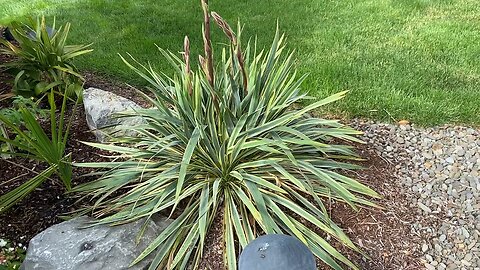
{"x": 21, "y": 102}
{"x": 11, "y": 257}
{"x": 43, "y": 60}
{"x": 32, "y": 141}
{"x": 227, "y": 142}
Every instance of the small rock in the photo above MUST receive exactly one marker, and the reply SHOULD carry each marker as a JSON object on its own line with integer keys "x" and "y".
{"x": 427, "y": 155}
{"x": 429, "y": 266}
{"x": 424, "y": 207}
{"x": 468, "y": 257}
{"x": 450, "y": 160}
{"x": 460, "y": 152}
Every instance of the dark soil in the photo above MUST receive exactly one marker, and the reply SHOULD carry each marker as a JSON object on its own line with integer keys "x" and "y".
{"x": 383, "y": 234}
{"x": 41, "y": 208}
{"x": 5, "y": 80}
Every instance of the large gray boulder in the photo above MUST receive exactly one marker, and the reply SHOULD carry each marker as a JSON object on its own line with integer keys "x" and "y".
{"x": 101, "y": 110}
{"x": 66, "y": 246}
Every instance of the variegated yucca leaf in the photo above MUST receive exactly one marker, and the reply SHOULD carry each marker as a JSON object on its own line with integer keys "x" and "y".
{"x": 221, "y": 148}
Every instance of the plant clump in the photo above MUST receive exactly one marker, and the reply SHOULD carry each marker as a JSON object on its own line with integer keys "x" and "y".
{"x": 225, "y": 139}
{"x": 28, "y": 139}
{"x": 42, "y": 66}
{"x": 43, "y": 58}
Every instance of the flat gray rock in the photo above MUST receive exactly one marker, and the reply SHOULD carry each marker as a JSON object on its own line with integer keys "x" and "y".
{"x": 67, "y": 247}
{"x": 101, "y": 108}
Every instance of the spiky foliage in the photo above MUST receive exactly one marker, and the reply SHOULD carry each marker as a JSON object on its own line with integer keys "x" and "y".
{"x": 43, "y": 60}
{"x": 33, "y": 141}
{"x": 234, "y": 147}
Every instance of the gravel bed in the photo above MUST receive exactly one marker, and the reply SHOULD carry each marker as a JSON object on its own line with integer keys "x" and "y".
{"x": 440, "y": 170}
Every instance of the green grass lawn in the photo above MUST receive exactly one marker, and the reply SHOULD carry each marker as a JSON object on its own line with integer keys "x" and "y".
{"x": 401, "y": 59}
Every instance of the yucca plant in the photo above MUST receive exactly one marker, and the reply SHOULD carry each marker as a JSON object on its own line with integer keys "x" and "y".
{"x": 32, "y": 142}
{"x": 43, "y": 59}
{"x": 226, "y": 141}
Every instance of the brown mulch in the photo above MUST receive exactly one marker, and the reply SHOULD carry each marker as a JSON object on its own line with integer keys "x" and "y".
{"x": 41, "y": 208}
{"x": 5, "y": 79}
{"x": 213, "y": 251}
{"x": 383, "y": 234}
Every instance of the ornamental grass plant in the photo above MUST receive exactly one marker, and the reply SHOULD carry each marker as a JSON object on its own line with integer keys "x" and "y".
{"x": 43, "y": 60}
{"x": 224, "y": 139}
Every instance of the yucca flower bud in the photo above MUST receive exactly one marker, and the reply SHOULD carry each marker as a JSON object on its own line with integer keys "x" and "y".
{"x": 207, "y": 43}
{"x": 186, "y": 58}
{"x": 225, "y": 27}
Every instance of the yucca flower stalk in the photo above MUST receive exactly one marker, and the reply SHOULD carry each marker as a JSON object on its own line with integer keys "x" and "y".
{"x": 231, "y": 144}
{"x": 186, "y": 57}
{"x": 207, "y": 45}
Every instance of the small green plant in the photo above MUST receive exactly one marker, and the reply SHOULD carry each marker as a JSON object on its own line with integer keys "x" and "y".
{"x": 11, "y": 257}
{"x": 226, "y": 141}
{"x": 33, "y": 142}
{"x": 15, "y": 117}
{"x": 43, "y": 60}
{"x": 21, "y": 102}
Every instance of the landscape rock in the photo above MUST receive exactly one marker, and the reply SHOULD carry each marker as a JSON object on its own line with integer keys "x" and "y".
{"x": 70, "y": 246}
{"x": 101, "y": 110}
